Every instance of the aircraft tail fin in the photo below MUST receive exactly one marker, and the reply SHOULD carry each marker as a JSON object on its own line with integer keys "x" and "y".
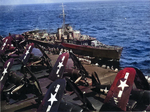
{"x": 120, "y": 90}
{"x": 59, "y": 67}
{"x": 53, "y": 97}
{"x": 26, "y": 55}
{"x": 6, "y": 69}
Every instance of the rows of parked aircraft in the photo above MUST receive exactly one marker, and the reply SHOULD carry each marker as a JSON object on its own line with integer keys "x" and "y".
{"x": 130, "y": 90}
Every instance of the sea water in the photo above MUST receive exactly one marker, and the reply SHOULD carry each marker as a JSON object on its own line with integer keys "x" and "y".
{"x": 121, "y": 23}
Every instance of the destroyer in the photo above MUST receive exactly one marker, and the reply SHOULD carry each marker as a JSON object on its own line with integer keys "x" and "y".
{"x": 78, "y": 43}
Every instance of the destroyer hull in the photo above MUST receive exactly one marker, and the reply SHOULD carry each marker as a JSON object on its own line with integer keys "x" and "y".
{"x": 103, "y": 53}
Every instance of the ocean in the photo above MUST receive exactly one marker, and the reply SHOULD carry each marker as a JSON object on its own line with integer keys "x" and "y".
{"x": 121, "y": 23}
